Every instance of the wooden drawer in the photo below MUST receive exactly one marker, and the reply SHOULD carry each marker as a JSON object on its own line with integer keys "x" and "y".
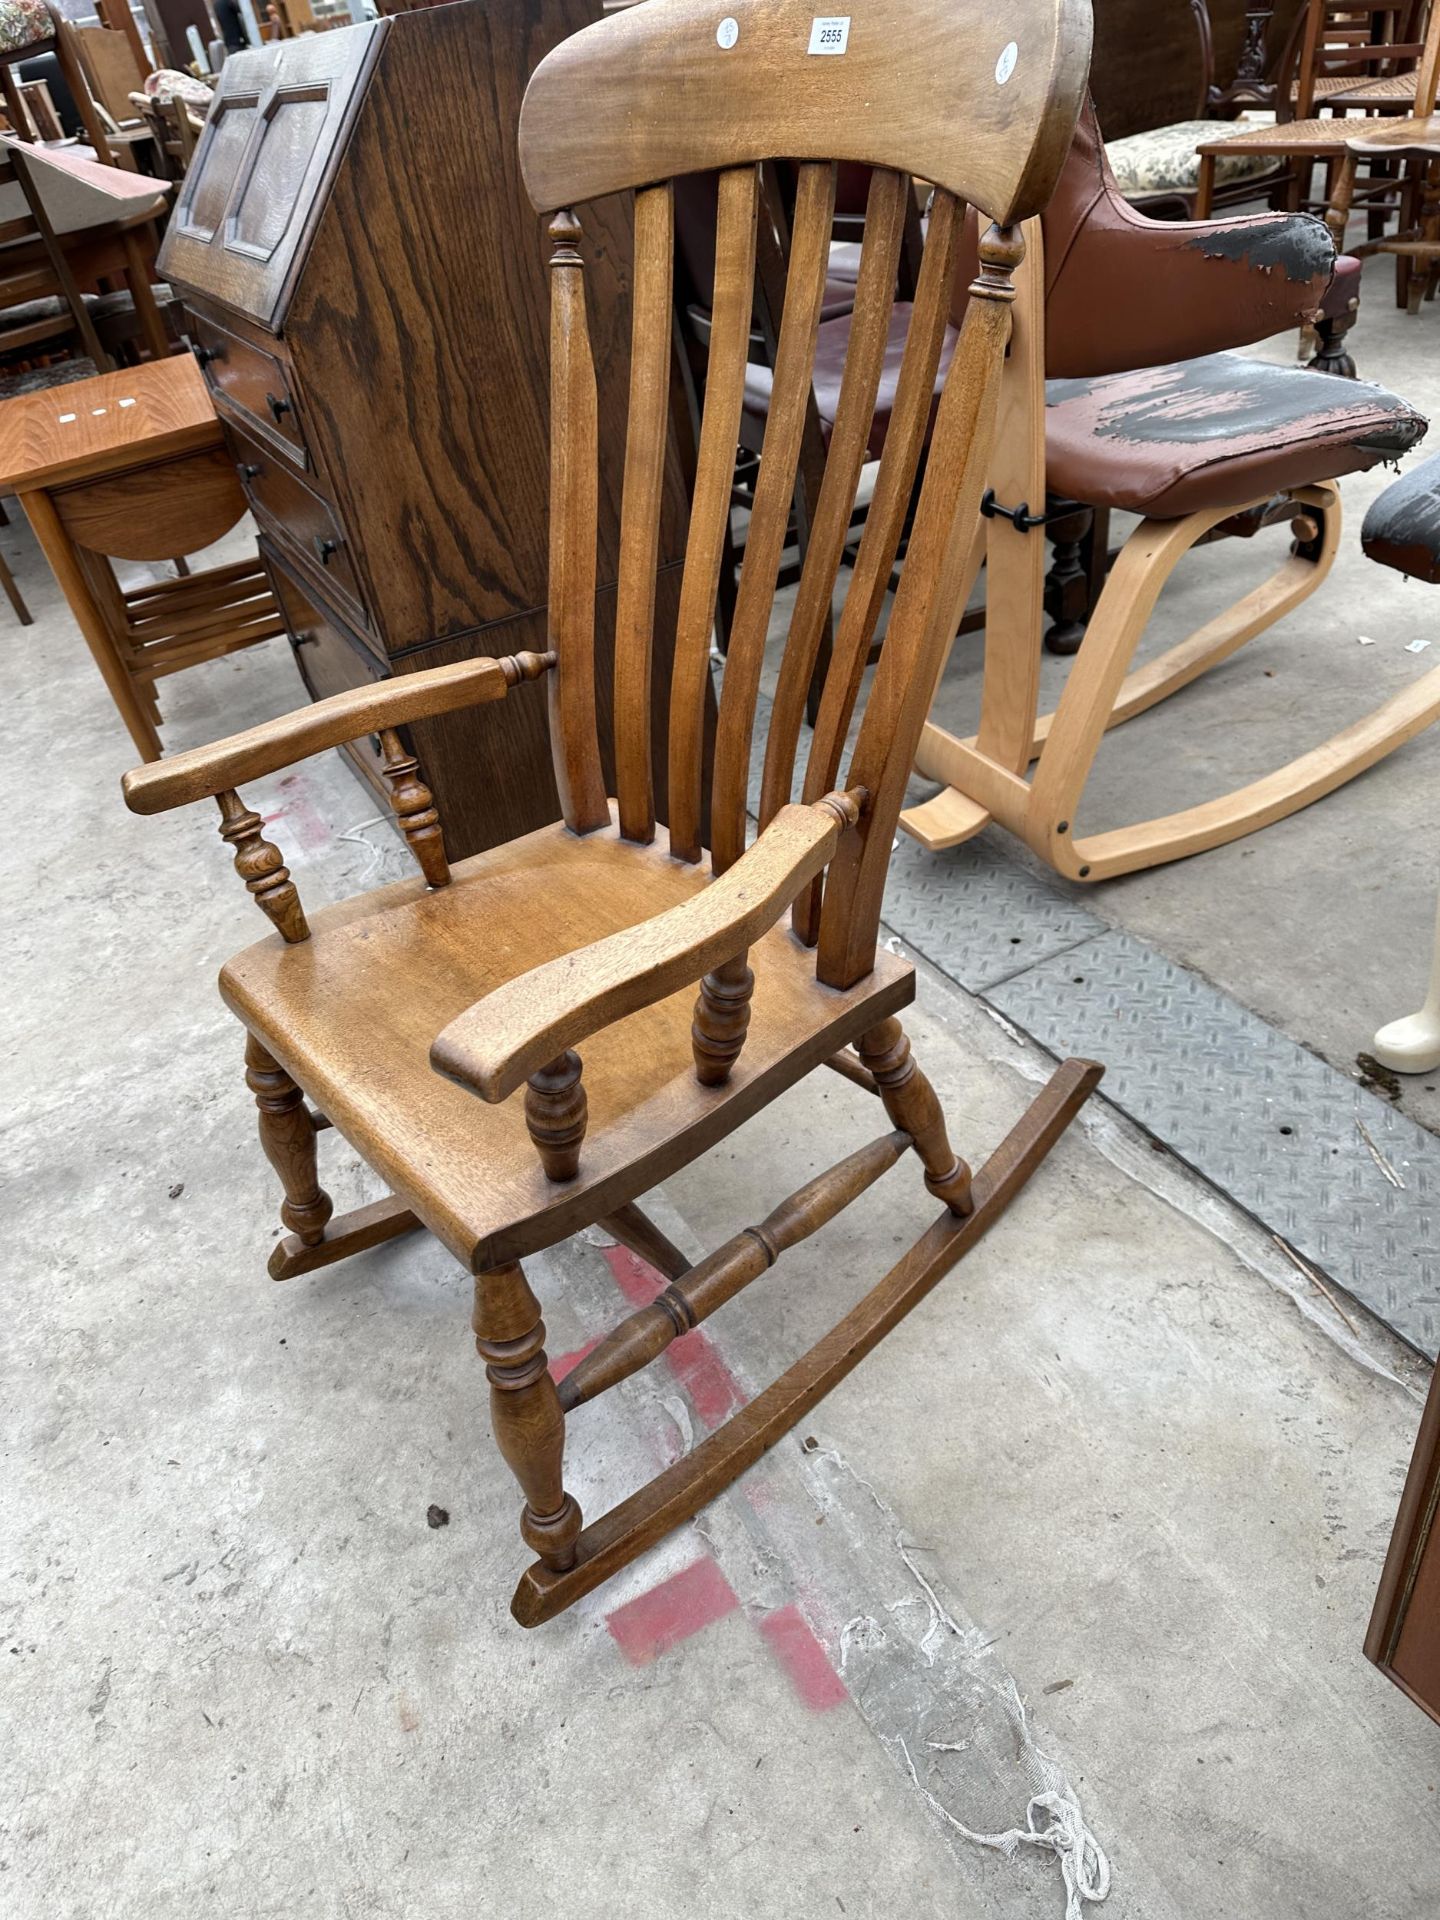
{"x": 300, "y": 522}
{"x": 330, "y": 660}
{"x": 252, "y": 380}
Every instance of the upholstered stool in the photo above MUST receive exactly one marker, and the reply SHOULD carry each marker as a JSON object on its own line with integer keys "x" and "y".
{"x": 1216, "y": 431}
{"x": 1402, "y": 530}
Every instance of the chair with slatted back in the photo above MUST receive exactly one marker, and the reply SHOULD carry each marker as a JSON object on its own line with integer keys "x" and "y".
{"x": 1318, "y": 138}
{"x": 436, "y": 1023}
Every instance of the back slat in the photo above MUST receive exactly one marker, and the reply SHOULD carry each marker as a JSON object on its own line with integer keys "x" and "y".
{"x": 885, "y": 522}
{"x": 710, "y": 503}
{"x": 885, "y": 215}
{"x": 927, "y": 606}
{"x": 574, "y": 443}
{"x": 774, "y": 491}
{"x": 640, "y": 508}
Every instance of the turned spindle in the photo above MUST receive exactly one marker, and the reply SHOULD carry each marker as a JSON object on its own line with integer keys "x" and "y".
{"x": 556, "y": 1114}
{"x": 287, "y": 1134}
{"x": 259, "y": 865}
{"x": 525, "y": 1411}
{"x": 712, "y": 1281}
{"x": 415, "y": 809}
{"x": 722, "y": 1015}
{"x": 911, "y": 1103}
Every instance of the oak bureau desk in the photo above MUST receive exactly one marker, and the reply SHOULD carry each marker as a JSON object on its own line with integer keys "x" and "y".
{"x": 369, "y": 303}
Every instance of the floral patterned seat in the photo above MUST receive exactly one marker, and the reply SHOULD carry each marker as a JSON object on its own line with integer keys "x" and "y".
{"x": 24, "y": 23}
{"x": 1165, "y": 161}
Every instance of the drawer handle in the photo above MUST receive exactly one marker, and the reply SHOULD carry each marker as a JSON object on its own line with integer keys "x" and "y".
{"x": 248, "y": 470}
{"x": 278, "y": 407}
{"x": 306, "y": 639}
{"x": 204, "y": 356}
{"x": 324, "y": 547}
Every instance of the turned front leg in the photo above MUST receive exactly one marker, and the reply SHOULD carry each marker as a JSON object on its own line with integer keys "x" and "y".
{"x": 722, "y": 1016}
{"x": 287, "y": 1133}
{"x": 913, "y": 1105}
{"x": 525, "y": 1410}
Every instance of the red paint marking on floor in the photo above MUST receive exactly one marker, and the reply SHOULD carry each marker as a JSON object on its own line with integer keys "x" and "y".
{"x": 696, "y": 1363}
{"x": 652, "y": 1622}
{"x": 805, "y": 1661}
{"x": 693, "y": 1358}
{"x": 308, "y": 824}
{"x": 636, "y": 1278}
{"x": 567, "y": 1362}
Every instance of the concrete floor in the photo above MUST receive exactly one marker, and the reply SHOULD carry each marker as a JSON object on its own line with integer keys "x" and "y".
{"x": 1107, "y": 1511}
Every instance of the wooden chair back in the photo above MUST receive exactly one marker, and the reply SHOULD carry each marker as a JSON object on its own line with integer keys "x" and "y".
{"x": 111, "y": 72}
{"x": 1358, "y": 40}
{"x": 978, "y": 101}
{"x": 43, "y": 271}
{"x": 1153, "y": 64}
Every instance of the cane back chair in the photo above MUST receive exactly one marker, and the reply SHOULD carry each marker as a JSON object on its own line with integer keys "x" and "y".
{"x": 413, "y": 1015}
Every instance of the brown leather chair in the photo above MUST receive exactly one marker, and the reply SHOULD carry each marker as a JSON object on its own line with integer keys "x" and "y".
{"x": 1121, "y": 391}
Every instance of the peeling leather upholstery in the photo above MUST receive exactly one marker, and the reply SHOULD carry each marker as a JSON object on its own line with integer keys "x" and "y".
{"x": 1123, "y": 291}
{"x": 1402, "y": 528}
{"x": 1221, "y": 430}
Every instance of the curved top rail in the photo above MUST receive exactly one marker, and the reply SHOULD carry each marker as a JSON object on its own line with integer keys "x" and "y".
{"x": 977, "y": 98}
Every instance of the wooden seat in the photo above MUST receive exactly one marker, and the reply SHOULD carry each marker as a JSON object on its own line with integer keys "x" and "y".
{"x": 398, "y": 965}
{"x": 442, "y": 1030}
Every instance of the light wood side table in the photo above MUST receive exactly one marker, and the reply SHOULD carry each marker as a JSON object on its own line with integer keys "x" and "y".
{"x": 132, "y": 466}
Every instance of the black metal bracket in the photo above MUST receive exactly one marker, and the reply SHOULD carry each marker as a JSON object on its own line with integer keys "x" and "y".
{"x": 1021, "y": 517}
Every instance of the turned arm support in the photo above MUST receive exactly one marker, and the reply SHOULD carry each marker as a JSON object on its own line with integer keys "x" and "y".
{"x": 205, "y": 772}
{"x": 514, "y": 1032}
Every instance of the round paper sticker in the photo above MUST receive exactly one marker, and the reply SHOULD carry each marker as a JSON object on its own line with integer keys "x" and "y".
{"x": 728, "y": 32}
{"x": 1005, "y": 65}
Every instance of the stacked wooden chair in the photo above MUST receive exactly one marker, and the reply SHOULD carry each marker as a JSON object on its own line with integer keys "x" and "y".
{"x": 439, "y": 1024}
{"x": 1126, "y": 319}
{"x": 1331, "y": 116}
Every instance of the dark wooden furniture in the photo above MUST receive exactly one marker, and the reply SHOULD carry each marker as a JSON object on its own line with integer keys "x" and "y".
{"x": 131, "y": 466}
{"x": 369, "y": 302}
{"x": 416, "y": 1017}
{"x": 1404, "y": 1636}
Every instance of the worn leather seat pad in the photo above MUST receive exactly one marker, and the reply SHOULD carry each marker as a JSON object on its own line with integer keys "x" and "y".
{"x": 831, "y": 346}
{"x": 1221, "y": 430}
{"x": 1402, "y": 528}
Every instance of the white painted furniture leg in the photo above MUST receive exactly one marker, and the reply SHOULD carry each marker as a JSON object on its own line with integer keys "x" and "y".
{"x": 1413, "y": 1045}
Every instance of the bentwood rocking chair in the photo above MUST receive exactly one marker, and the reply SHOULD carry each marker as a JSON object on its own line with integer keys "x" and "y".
{"x": 1143, "y": 412}
{"x": 433, "y": 1022}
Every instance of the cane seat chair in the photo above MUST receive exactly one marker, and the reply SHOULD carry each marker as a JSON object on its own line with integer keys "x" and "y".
{"x": 1321, "y": 139}
{"x": 435, "y": 1023}
{"x": 1120, "y": 391}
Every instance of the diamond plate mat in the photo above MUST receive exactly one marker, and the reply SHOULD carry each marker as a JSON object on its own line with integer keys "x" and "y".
{"x": 978, "y": 914}
{"x": 1312, "y": 1155}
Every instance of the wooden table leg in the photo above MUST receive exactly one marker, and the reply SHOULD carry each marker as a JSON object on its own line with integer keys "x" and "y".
{"x": 137, "y": 275}
{"x": 56, "y": 546}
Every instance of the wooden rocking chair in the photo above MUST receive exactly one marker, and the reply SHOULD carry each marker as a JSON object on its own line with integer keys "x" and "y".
{"x": 1203, "y": 443}
{"x": 414, "y": 1016}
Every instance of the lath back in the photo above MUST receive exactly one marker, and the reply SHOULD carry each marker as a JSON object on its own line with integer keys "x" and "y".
{"x": 976, "y": 100}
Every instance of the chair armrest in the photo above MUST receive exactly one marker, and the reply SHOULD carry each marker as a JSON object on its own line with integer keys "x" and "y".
{"x": 203, "y": 772}
{"x": 501, "y": 1040}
